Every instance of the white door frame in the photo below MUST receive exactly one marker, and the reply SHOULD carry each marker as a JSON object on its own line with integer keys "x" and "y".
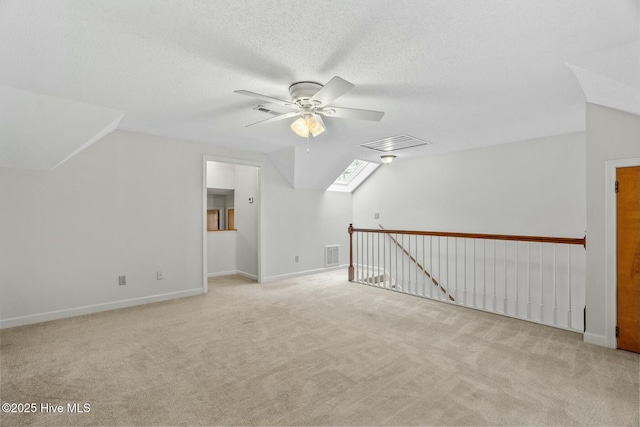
{"x": 611, "y": 245}
{"x": 210, "y": 158}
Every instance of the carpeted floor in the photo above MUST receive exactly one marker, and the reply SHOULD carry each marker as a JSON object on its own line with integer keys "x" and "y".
{"x": 315, "y": 350}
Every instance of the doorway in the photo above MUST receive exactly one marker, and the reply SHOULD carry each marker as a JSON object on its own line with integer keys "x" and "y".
{"x": 236, "y": 246}
{"x": 627, "y": 188}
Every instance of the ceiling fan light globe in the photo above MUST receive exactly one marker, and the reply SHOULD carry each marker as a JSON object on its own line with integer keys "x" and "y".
{"x": 317, "y": 132}
{"x": 387, "y": 158}
{"x": 299, "y": 127}
{"x": 315, "y": 125}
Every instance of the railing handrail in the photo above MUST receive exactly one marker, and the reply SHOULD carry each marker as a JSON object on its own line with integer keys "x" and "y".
{"x": 540, "y": 239}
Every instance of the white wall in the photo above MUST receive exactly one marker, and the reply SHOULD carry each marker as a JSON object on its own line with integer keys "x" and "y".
{"x": 132, "y": 204}
{"x": 220, "y": 175}
{"x": 221, "y": 253}
{"x": 534, "y": 187}
{"x": 303, "y": 228}
{"x": 611, "y": 135}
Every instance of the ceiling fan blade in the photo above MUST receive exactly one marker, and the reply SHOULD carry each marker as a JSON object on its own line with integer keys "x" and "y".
{"x": 266, "y": 98}
{"x": 275, "y": 118}
{"x": 351, "y": 113}
{"x": 332, "y": 90}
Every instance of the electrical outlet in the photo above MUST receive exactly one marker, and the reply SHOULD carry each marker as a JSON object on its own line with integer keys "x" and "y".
{"x": 376, "y": 215}
{"x": 122, "y": 280}
{"x": 159, "y": 275}
{"x": 297, "y": 258}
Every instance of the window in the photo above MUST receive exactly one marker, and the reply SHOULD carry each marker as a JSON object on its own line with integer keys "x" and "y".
{"x": 353, "y": 176}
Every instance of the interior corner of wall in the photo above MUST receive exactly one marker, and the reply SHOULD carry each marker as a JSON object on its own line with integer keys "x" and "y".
{"x": 284, "y": 161}
{"x": 602, "y": 90}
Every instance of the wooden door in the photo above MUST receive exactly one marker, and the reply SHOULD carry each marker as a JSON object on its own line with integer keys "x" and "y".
{"x": 628, "y": 254}
{"x": 231, "y": 220}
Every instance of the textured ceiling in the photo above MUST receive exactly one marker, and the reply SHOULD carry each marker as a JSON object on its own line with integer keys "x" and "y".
{"x": 460, "y": 74}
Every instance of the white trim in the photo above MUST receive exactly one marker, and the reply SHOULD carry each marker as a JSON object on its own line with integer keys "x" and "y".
{"x": 303, "y": 273}
{"x": 222, "y": 273}
{"x": 247, "y": 275}
{"x": 205, "y": 196}
{"x": 95, "y": 308}
{"x": 610, "y": 250}
{"x": 212, "y": 158}
{"x": 601, "y": 340}
{"x": 230, "y": 272}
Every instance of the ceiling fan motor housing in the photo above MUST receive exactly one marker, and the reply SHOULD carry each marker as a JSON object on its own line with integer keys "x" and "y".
{"x": 301, "y": 92}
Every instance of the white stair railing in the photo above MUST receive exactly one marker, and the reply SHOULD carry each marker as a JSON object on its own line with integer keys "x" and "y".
{"x": 539, "y": 279}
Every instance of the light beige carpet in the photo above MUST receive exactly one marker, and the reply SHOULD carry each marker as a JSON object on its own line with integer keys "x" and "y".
{"x": 312, "y": 350}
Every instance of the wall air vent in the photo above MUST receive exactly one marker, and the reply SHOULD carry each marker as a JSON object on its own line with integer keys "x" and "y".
{"x": 394, "y": 143}
{"x": 331, "y": 256}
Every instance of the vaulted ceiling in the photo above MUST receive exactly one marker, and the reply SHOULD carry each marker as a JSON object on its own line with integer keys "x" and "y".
{"x": 459, "y": 74}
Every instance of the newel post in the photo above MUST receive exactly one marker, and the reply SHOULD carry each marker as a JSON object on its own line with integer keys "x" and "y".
{"x": 351, "y": 275}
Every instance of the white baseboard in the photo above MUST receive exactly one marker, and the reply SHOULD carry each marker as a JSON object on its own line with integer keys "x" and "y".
{"x": 230, "y": 272}
{"x": 88, "y": 309}
{"x": 303, "y": 273}
{"x": 600, "y": 340}
{"x": 247, "y": 275}
{"x": 222, "y": 273}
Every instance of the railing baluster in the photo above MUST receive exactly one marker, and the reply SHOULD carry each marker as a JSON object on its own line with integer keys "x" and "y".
{"x": 505, "y": 278}
{"x": 409, "y": 268}
{"x": 358, "y": 256}
{"x": 484, "y": 274}
{"x": 424, "y": 276}
{"x": 368, "y": 275}
{"x": 517, "y": 262}
{"x": 528, "y": 281}
{"x": 495, "y": 298}
{"x": 431, "y": 266}
{"x": 456, "y": 265}
{"x": 396, "y": 251}
{"x": 569, "y": 285}
{"x": 555, "y": 296}
{"x": 474, "y": 272}
{"x": 362, "y": 253}
{"x": 416, "y": 265}
{"x": 373, "y": 261}
{"x": 387, "y": 279}
{"x": 447, "y": 266}
{"x": 361, "y": 258}
{"x": 378, "y": 263}
{"x": 541, "y": 286}
{"x": 402, "y": 282}
{"x": 439, "y": 267}
{"x": 465, "y": 271}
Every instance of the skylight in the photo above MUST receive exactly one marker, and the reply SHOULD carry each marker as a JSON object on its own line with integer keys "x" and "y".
{"x": 353, "y": 176}
{"x": 350, "y": 172}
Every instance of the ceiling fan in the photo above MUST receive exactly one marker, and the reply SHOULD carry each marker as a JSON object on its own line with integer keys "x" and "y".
{"x": 311, "y": 101}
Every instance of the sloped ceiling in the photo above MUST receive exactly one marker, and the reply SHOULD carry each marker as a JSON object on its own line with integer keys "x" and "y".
{"x": 460, "y": 74}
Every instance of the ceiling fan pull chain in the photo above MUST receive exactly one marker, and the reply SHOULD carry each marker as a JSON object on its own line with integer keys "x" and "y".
{"x": 307, "y": 143}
